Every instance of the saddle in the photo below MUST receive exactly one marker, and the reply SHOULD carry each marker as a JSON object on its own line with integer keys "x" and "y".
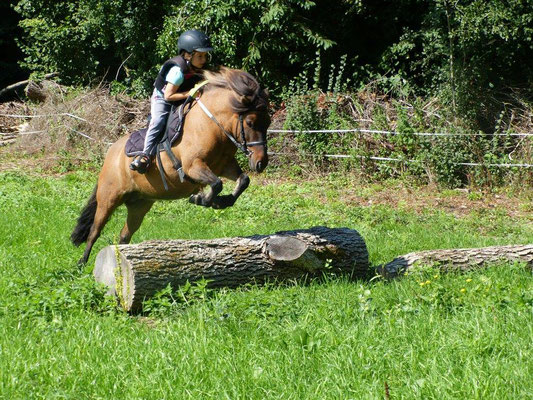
{"x": 171, "y": 133}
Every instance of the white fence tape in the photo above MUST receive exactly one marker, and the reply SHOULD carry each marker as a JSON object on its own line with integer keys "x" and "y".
{"x": 372, "y": 131}
{"x": 355, "y": 130}
{"x": 382, "y": 132}
{"x": 503, "y": 165}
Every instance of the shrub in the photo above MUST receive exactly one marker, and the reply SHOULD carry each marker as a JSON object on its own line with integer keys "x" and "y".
{"x": 441, "y": 159}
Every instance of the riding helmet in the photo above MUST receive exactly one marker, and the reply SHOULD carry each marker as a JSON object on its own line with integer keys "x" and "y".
{"x": 194, "y": 40}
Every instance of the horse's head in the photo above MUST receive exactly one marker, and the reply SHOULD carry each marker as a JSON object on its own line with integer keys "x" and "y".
{"x": 249, "y": 104}
{"x": 254, "y": 138}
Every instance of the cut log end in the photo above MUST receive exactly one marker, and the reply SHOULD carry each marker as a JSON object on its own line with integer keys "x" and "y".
{"x": 113, "y": 270}
{"x": 285, "y": 248}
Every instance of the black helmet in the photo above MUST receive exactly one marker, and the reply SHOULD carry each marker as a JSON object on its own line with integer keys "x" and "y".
{"x": 194, "y": 40}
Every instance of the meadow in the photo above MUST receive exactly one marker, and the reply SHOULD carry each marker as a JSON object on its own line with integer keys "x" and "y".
{"x": 428, "y": 335}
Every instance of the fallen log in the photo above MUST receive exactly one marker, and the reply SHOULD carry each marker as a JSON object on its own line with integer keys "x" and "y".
{"x": 458, "y": 259}
{"x": 136, "y": 272}
{"x": 22, "y": 84}
{"x": 5, "y": 142}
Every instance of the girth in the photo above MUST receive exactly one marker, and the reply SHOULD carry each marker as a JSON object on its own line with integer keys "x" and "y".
{"x": 164, "y": 144}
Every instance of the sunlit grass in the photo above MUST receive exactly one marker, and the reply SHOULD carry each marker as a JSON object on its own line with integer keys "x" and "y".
{"x": 428, "y": 335}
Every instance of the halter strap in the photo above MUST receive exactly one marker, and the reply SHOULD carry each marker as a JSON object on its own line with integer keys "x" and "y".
{"x": 242, "y": 146}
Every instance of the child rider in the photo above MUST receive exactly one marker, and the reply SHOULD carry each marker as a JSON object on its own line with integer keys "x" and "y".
{"x": 176, "y": 78}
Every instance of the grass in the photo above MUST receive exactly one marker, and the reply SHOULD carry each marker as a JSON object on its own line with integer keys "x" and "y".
{"x": 427, "y": 335}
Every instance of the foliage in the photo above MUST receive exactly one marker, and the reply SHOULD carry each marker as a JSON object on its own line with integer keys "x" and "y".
{"x": 307, "y": 106}
{"x": 411, "y": 150}
{"x": 272, "y": 39}
{"x": 168, "y": 301}
{"x": 471, "y": 52}
{"x": 90, "y": 39}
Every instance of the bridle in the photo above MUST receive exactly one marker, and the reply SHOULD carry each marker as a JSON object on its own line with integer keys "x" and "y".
{"x": 242, "y": 146}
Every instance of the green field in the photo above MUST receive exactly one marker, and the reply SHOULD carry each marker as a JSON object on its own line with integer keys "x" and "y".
{"x": 426, "y": 336}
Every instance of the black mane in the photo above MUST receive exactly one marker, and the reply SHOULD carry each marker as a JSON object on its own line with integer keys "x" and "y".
{"x": 249, "y": 94}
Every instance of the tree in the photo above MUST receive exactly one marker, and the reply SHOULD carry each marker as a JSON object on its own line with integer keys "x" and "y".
{"x": 84, "y": 40}
{"x": 471, "y": 52}
{"x": 272, "y": 39}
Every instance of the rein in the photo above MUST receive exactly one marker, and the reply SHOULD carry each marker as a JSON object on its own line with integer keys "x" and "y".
{"x": 242, "y": 146}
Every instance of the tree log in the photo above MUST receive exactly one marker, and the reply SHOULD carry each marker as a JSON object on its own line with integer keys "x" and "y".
{"x": 22, "y": 84}
{"x": 136, "y": 272}
{"x": 458, "y": 259}
{"x": 35, "y": 92}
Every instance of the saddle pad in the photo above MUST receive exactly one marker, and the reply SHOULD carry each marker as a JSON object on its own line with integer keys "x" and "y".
{"x": 135, "y": 143}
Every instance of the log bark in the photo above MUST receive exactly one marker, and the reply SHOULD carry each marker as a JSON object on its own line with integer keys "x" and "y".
{"x": 22, "y": 84}
{"x": 35, "y": 92}
{"x": 136, "y": 272}
{"x": 458, "y": 259}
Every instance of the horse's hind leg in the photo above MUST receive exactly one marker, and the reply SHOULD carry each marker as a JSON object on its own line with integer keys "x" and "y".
{"x": 106, "y": 205}
{"x": 137, "y": 209}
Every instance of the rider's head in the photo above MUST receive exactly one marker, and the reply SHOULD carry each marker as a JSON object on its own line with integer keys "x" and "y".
{"x": 194, "y": 46}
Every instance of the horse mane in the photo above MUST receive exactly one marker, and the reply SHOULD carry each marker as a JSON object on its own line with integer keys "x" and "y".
{"x": 249, "y": 94}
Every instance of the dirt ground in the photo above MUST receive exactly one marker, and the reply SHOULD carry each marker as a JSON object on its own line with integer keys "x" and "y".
{"x": 459, "y": 202}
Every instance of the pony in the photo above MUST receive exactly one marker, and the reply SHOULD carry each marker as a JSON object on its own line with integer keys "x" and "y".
{"x": 232, "y": 114}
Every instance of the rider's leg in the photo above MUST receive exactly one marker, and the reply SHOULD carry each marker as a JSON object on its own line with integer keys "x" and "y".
{"x": 159, "y": 110}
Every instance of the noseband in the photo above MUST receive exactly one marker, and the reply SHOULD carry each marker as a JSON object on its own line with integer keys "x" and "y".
{"x": 242, "y": 146}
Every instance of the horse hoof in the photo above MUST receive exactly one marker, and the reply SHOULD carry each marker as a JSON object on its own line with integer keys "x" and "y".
{"x": 193, "y": 199}
{"x": 222, "y": 202}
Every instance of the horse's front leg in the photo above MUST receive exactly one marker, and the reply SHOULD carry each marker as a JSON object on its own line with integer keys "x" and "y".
{"x": 200, "y": 172}
{"x": 234, "y": 172}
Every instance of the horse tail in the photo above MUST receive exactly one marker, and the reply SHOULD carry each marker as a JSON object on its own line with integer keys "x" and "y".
{"x": 85, "y": 221}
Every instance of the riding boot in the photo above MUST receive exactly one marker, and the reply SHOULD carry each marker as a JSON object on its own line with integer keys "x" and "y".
{"x": 141, "y": 163}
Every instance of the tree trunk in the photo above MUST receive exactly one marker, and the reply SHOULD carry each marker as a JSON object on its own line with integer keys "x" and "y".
{"x": 458, "y": 259}
{"x": 137, "y": 272}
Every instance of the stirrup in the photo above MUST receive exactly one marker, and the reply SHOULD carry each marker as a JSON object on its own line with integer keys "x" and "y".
{"x": 140, "y": 163}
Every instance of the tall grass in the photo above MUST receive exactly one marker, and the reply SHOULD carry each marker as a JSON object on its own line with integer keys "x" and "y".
{"x": 425, "y": 336}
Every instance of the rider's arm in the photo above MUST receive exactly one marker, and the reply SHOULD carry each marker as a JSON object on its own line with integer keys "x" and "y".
{"x": 174, "y": 79}
{"x": 172, "y": 95}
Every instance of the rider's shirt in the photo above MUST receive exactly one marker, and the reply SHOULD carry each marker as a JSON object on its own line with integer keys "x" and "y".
{"x": 174, "y": 76}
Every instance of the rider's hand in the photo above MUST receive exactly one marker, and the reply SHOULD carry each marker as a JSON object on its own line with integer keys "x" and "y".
{"x": 192, "y": 92}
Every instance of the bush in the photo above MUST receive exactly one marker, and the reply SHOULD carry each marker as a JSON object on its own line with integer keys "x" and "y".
{"x": 427, "y": 158}
{"x": 86, "y": 40}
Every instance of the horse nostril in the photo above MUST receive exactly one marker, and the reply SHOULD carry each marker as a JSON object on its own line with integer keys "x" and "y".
{"x": 259, "y": 166}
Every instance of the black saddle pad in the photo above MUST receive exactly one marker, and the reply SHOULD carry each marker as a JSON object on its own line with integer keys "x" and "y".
{"x": 135, "y": 143}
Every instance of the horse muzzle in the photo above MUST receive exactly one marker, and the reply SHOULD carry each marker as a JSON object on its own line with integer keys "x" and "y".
{"x": 258, "y": 165}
